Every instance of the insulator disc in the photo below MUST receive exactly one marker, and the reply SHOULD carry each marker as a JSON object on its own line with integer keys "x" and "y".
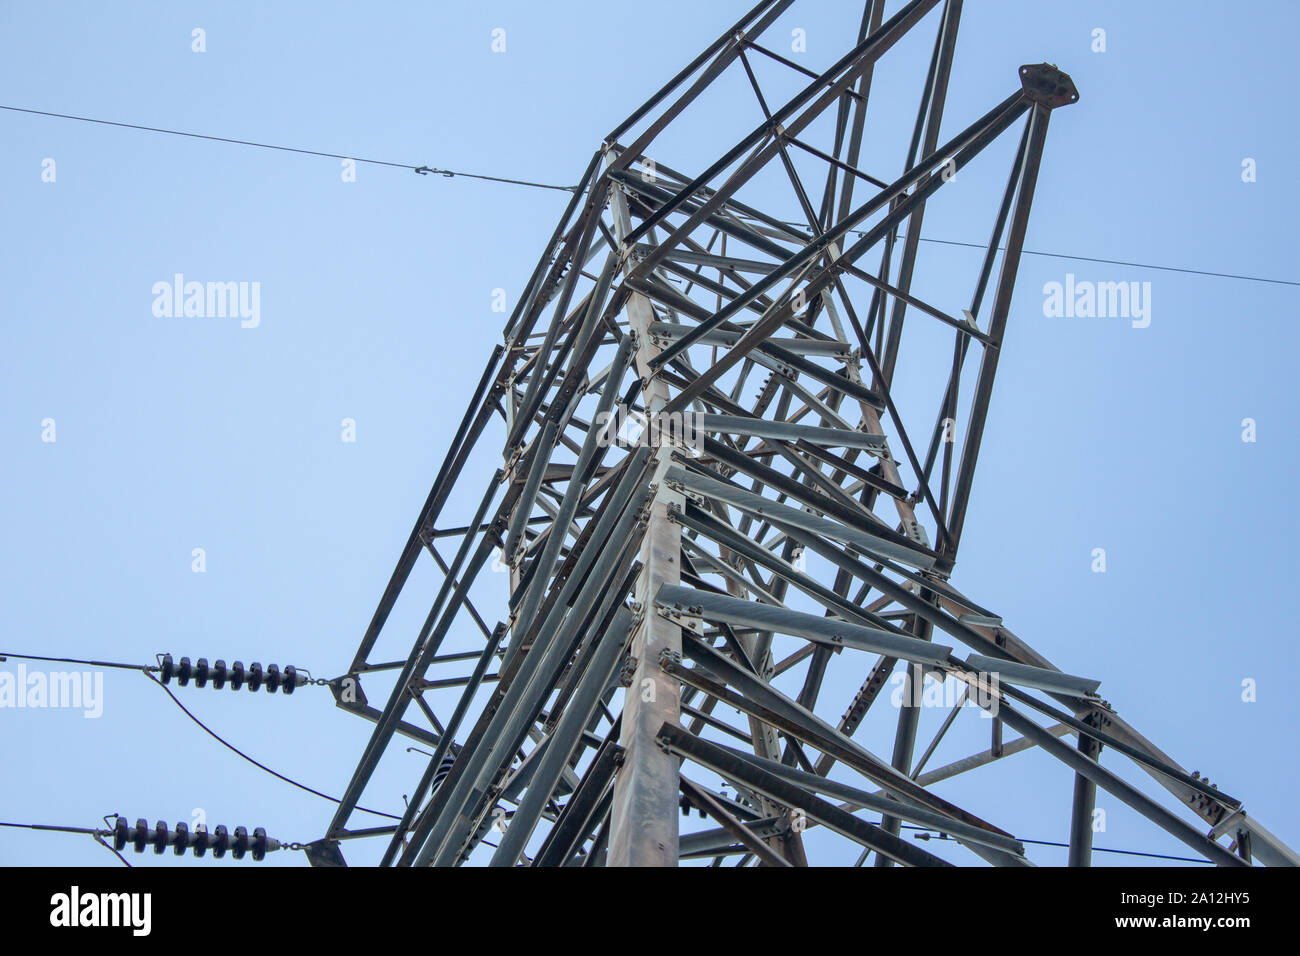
{"x": 160, "y": 837}
{"x": 141, "y": 835}
{"x": 220, "y": 841}
{"x": 182, "y": 841}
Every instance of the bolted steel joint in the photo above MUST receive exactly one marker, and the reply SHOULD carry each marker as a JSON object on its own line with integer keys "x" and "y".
{"x": 1044, "y": 83}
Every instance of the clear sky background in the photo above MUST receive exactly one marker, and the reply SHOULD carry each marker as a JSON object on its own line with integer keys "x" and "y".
{"x": 175, "y": 434}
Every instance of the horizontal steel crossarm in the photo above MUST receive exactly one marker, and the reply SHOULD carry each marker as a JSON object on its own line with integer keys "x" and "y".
{"x": 830, "y": 348}
{"x": 764, "y": 428}
{"x": 813, "y": 627}
{"x": 780, "y": 514}
{"x": 1040, "y": 678}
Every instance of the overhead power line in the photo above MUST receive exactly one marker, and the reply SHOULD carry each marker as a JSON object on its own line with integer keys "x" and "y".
{"x": 925, "y": 833}
{"x": 148, "y": 670}
{"x": 239, "y": 842}
{"x": 1122, "y": 262}
{"x": 96, "y": 833}
{"x": 1112, "y": 262}
{"x": 4, "y": 655}
{"x": 261, "y": 766}
{"x": 422, "y": 170}
{"x": 425, "y": 170}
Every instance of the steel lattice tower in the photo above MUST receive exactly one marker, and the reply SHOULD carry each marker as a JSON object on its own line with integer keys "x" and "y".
{"x": 788, "y": 511}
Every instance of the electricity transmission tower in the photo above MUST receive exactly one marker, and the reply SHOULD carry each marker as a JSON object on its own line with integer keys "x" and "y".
{"x": 626, "y": 626}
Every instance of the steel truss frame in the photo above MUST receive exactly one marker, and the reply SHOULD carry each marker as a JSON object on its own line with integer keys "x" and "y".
{"x": 652, "y": 582}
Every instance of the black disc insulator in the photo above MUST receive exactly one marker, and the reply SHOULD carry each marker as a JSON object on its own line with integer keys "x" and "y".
{"x": 120, "y": 833}
{"x": 255, "y": 676}
{"x": 141, "y": 835}
{"x": 272, "y": 678}
{"x": 219, "y": 675}
{"x": 259, "y": 844}
{"x": 182, "y": 841}
{"x": 168, "y": 668}
{"x": 240, "y": 844}
{"x": 220, "y": 841}
{"x": 201, "y": 840}
{"x": 183, "y": 671}
{"x": 201, "y": 673}
{"x": 236, "y": 675}
{"x": 160, "y": 836}
{"x": 290, "y": 678}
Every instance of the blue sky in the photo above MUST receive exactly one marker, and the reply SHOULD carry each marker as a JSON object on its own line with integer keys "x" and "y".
{"x": 176, "y": 434}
